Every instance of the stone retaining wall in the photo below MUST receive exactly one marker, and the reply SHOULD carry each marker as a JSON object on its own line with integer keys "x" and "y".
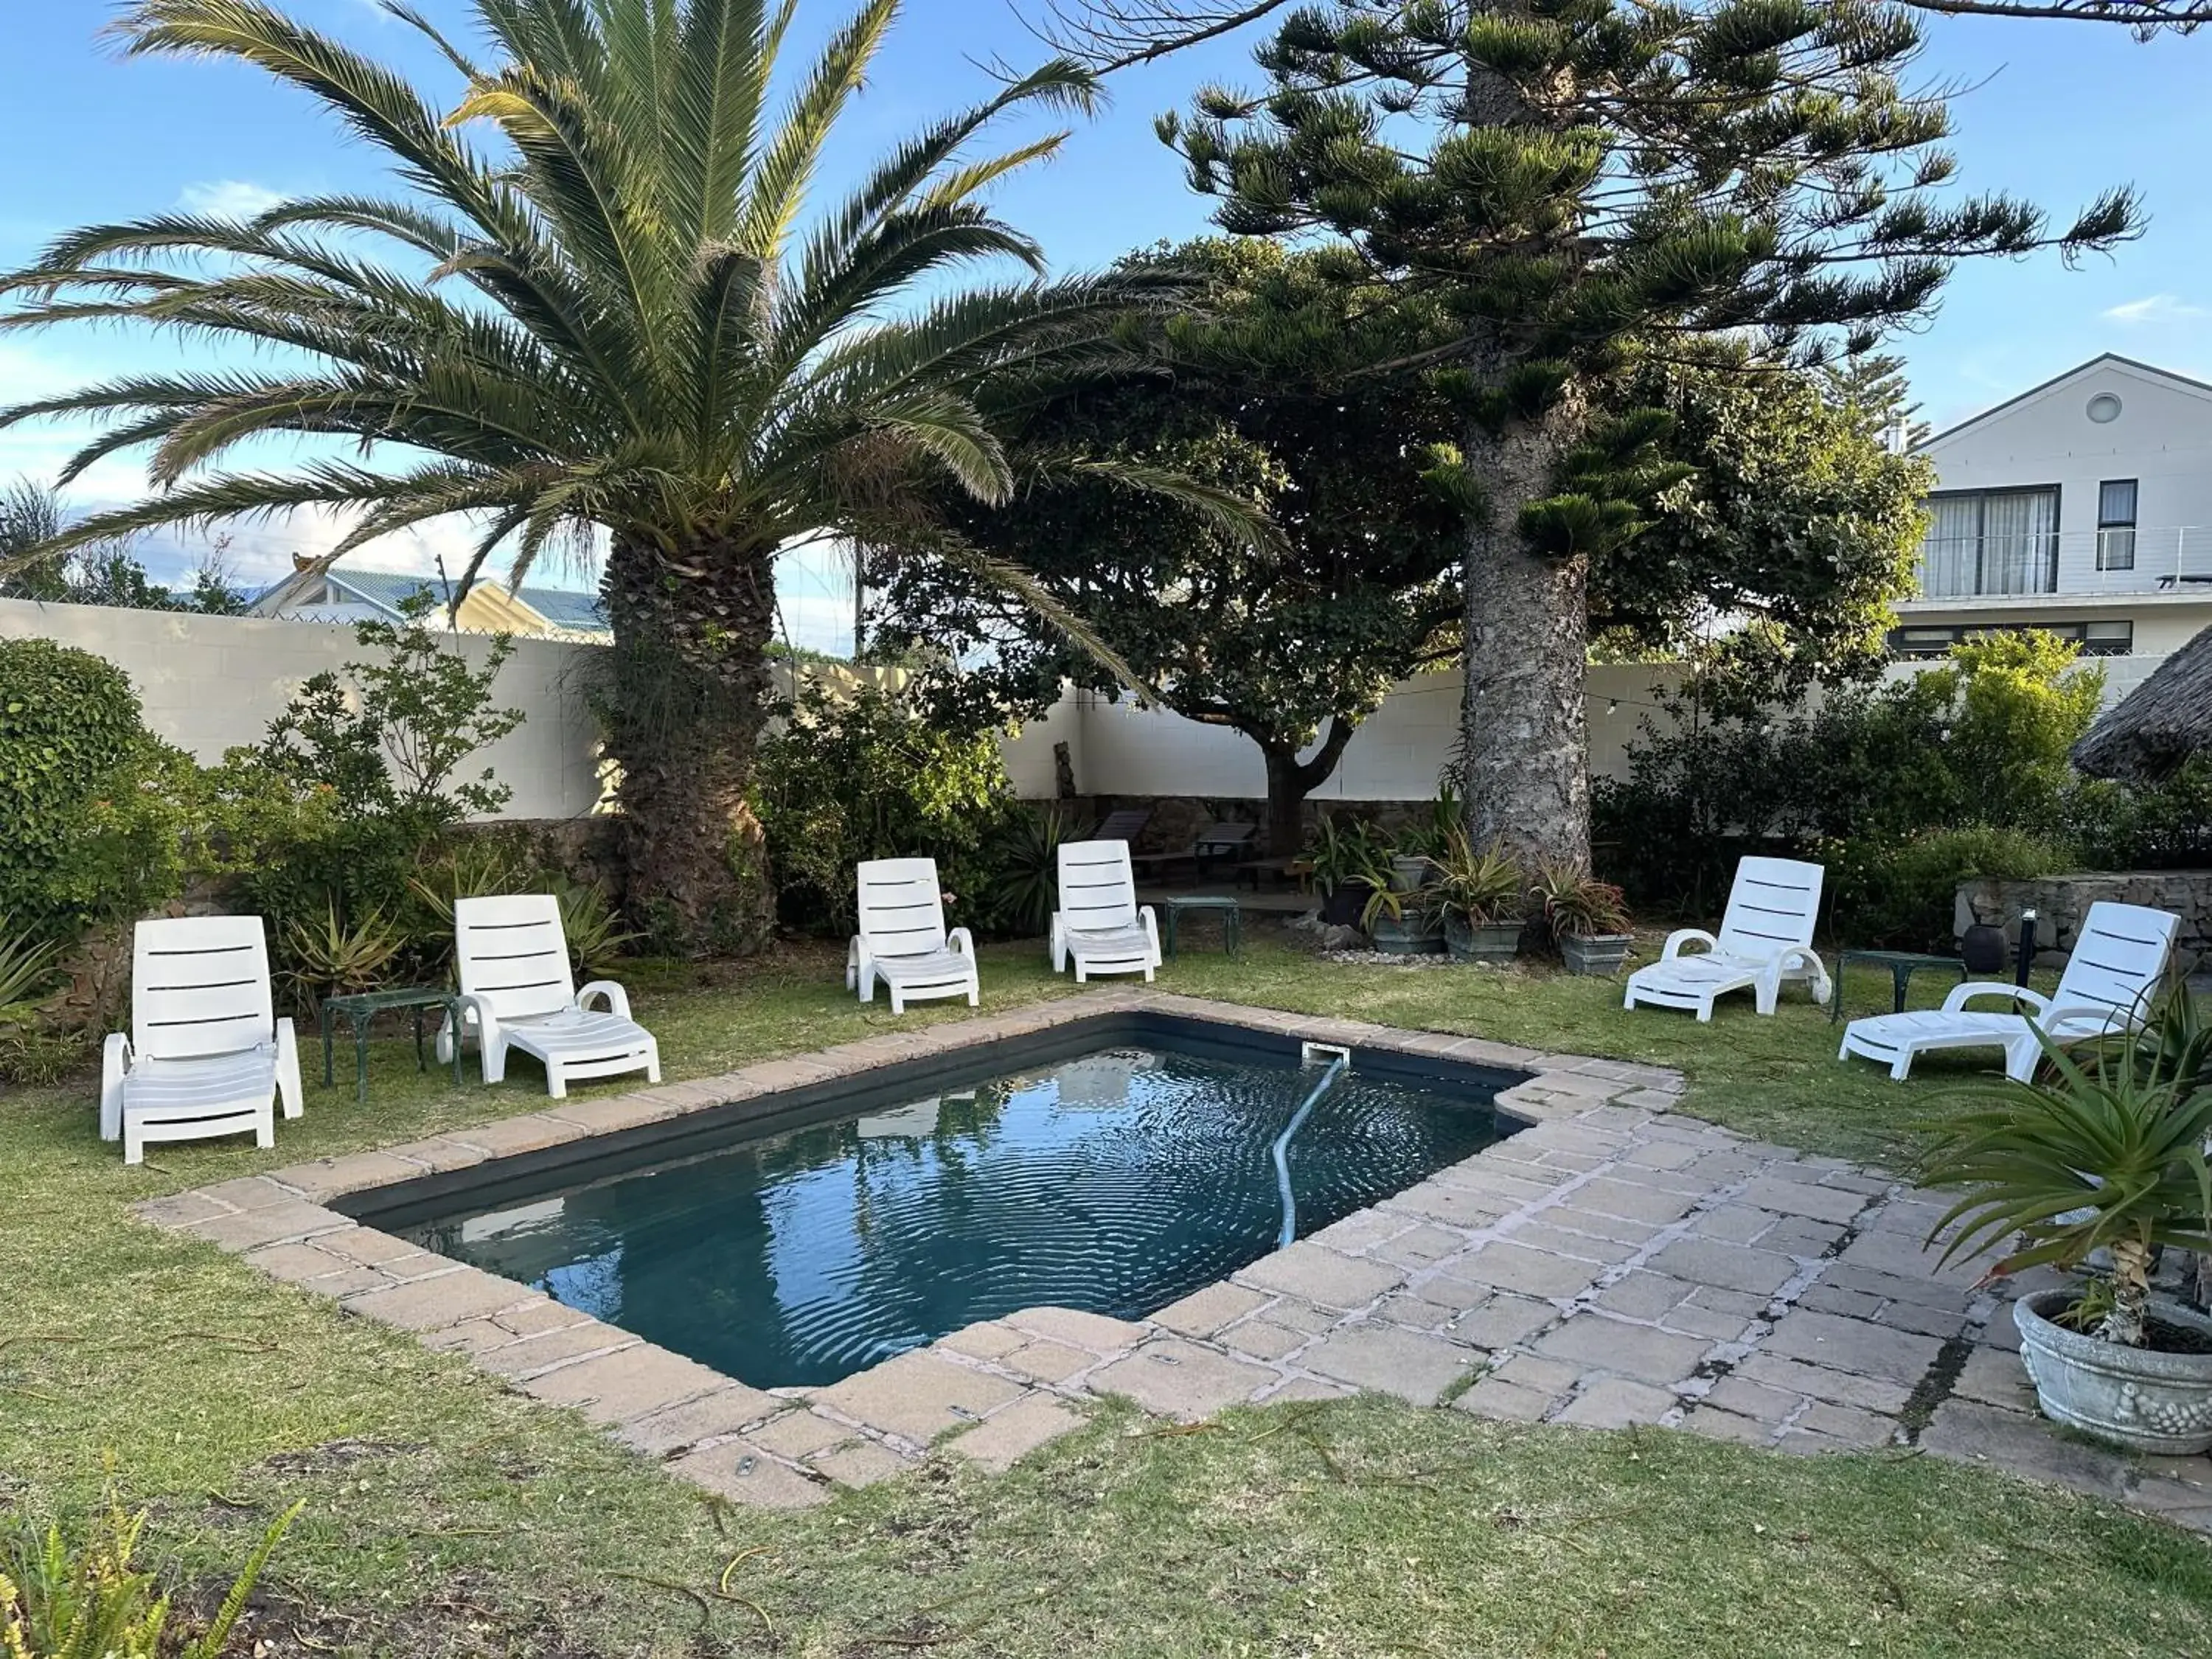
{"x": 2061, "y": 901}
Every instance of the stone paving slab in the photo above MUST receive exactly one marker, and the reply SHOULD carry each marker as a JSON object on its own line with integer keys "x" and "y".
{"x": 1615, "y": 1262}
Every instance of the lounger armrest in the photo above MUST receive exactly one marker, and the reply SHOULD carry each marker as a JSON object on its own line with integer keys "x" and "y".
{"x": 288, "y": 1095}
{"x": 1682, "y": 936}
{"x": 114, "y": 1067}
{"x": 961, "y": 940}
{"x": 856, "y": 963}
{"x": 1152, "y": 930}
{"x": 1962, "y": 994}
{"x": 473, "y": 1006}
{"x": 617, "y": 998}
{"x": 2105, "y": 1018}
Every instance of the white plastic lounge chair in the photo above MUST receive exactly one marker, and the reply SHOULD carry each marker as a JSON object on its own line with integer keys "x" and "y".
{"x": 903, "y": 940}
{"x": 1099, "y": 924}
{"x": 1765, "y": 943}
{"x": 2109, "y": 980}
{"x": 206, "y": 1054}
{"x": 517, "y": 992}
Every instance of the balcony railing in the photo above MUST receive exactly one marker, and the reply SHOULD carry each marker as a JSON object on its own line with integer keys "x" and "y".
{"x": 2149, "y": 559}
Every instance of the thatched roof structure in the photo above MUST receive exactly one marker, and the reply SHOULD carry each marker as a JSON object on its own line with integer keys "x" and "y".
{"x": 2158, "y": 725}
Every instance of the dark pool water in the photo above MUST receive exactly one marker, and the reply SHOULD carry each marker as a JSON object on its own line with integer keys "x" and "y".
{"x": 1115, "y": 1182}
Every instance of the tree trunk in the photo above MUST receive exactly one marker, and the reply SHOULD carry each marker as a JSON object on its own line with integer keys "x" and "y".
{"x": 1290, "y": 780}
{"x": 2131, "y": 1293}
{"x": 1523, "y": 726}
{"x": 683, "y": 714}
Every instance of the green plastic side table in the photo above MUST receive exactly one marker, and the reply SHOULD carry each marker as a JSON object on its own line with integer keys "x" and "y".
{"x": 1902, "y": 965}
{"x": 1231, "y": 915}
{"x": 362, "y": 1008}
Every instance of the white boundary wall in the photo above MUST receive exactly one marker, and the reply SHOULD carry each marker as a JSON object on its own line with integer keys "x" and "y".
{"x": 208, "y": 684}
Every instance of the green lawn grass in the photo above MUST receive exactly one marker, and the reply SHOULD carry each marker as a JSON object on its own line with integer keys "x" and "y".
{"x": 446, "y": 1516}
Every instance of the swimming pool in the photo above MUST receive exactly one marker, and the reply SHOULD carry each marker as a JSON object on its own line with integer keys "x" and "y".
{"x": 793, "y": 1248}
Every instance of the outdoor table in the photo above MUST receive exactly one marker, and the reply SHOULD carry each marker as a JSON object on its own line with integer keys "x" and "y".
{"x": 1902, "y": 965}
{"x": 361, "y": 1008}
{"x": 1232, "y": 919}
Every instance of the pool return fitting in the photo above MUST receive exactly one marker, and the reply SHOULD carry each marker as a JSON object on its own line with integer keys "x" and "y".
{"x": 1309, "y": 1054}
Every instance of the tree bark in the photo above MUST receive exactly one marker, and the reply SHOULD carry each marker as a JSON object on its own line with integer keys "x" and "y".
{"x": 684, "y": 713}
{"x": 1523, "y": 731}
{"x": 2131, "y": 1293}
{"x": 1290, "y": 780}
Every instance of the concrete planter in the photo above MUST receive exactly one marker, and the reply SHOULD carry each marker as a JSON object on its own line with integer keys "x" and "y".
{"x": 1598, "y": 953}
{"x": 1492, "y": 941}
{"x": 2159, "y": 1403}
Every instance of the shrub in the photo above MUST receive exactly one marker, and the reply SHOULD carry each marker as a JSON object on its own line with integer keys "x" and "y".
{"x": 860, "y": 774}
{"x": 71, "y": 737}
{"x": 1982, "y": 739}
{"x": 1902, "y": 894}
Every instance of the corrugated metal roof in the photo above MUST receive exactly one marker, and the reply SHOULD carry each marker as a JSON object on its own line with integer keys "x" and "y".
{"x": 566, "y": 607}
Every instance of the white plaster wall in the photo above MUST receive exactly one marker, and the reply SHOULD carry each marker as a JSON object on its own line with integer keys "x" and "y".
{"x": 2163, "y": 439}
{"x": 208, "y": 684}
{"x": 1120, "y": 749}
{"x": 2163, "y": 625}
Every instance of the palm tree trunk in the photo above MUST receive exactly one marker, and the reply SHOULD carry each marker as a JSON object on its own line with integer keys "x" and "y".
{"x": 2131, "y": 1293}
{"x": 683, "y": 714}
{"x": 1523, "y": 728}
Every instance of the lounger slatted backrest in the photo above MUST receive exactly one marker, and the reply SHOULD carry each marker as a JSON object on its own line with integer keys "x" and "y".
{"x": 1774, "y": 905}
{"x": 199, "y": 986}
{"x": 1125, "y": 825}
{"x": 511, "y": 951}
{"x": 2118, "y": 960}
{"x": 1096, "y": 890}
{"x": 901, "y": 908}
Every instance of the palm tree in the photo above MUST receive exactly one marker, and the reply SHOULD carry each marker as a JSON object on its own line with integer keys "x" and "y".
{"x": 621, "y": 318}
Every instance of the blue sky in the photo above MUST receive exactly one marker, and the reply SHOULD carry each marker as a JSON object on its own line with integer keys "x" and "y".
{"x": 2054, "y": 110}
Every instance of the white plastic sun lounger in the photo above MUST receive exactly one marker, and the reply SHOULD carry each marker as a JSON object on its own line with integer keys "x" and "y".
{"x": 206, "y": 1055}
{"x": 1099, "y": 926}
{"x": 2110, "y": 979}
{"x": 1765, "y": 943}
{"x": 517, "y": 992}
{"x": 903, "y": 939}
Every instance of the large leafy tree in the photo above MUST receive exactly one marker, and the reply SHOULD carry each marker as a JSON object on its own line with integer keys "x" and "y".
{"x": 1293, "y": 643}
{"x": 1564, "y": 180}
{"x": 615, "y": 314}
{"x": 1776, "y": 559}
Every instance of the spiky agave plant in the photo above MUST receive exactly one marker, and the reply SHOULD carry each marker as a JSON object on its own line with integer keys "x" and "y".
{"x": 616, "y": 315}
{"x": 2106, "y": 1151}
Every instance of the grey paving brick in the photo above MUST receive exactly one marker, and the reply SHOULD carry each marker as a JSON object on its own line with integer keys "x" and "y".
{"x": 1174, "y": 1378}
{"x": 917, "y": 1396}
{"x": 1597, "y": 1343}
{"x": 1748, "y": 1399}
{"x": 627, "y": 1383}
{"x": 428, "y": 1304}
{"x": 1643, "y": 1295}
{"x": 1495, "y": 1397}
{"x": 1728, "y": 1266}
{"x": 673, "y": 1429}
{"x": 1321, "y": 1276}
{"x": 1511, "y": 1266}
{"x": 1773, "y": 1192}
{"x": 1844, "y": 1388}
{"x": 746, "y": 1475}
{"x": 1502, "y": 1320}
{"x": 1853, "y": 1344}
{"x": 1204, "y": 1312}
{"x": 1013, "y": 1433}
{"x": 1975, "y": 1433}
{"x": 1416, "y": 1369}
{"x": 1615, "y": 1402}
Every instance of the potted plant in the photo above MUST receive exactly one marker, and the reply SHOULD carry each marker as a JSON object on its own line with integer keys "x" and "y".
{"x": 1478, "y": 895}
{"x": 1342, "y": 853}
{"x": 1586, "y": 917}
{"x": 2105, "y": 1152}
{"x": 1402, "y": 921}
{"x": 1423, "y": 844}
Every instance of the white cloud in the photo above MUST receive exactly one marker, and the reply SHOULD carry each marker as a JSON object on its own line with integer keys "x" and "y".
{"x": 2154, "y": 309}
{"x": 229, "y": 198}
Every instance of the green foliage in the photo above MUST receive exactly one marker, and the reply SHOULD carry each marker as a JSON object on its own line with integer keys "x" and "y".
{"x": 76, "y": 764}
{"x": 26, "y": 962}
{"x": 1025, "y": 851}
{"x": 1477, "y": 887}
{"x": 1343, "y": 850}
{"x": 332, "y": 955}
{"x": 2165, "y": 825}
{"x": 1981, "y": 741}
{"x": 593, "y": 930}
{"x": 1901, "y": 894}
{"x": 1288, "y": 641}
{"x": 1789, "y": 513}
{"x": 858, "y": 774}
{"x": 101, "y": 573}
{"x": 391, "y": 743}
{"x": 1574, "y": 904}
{"x": 2107, "y": 1151}
{"x": 89, "y": 1599}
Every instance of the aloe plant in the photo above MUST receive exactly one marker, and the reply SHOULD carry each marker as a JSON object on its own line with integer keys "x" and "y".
{"x": 2106, "y": 1151}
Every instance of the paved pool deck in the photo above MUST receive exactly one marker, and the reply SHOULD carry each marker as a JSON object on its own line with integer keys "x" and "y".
{"x": 1618, "y": 1262}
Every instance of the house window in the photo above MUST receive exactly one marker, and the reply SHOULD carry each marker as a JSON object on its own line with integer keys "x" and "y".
{"x": 1991, "y": 541}
{"x": 2115, "y": 524}
{"x": 1925, "y": 641}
